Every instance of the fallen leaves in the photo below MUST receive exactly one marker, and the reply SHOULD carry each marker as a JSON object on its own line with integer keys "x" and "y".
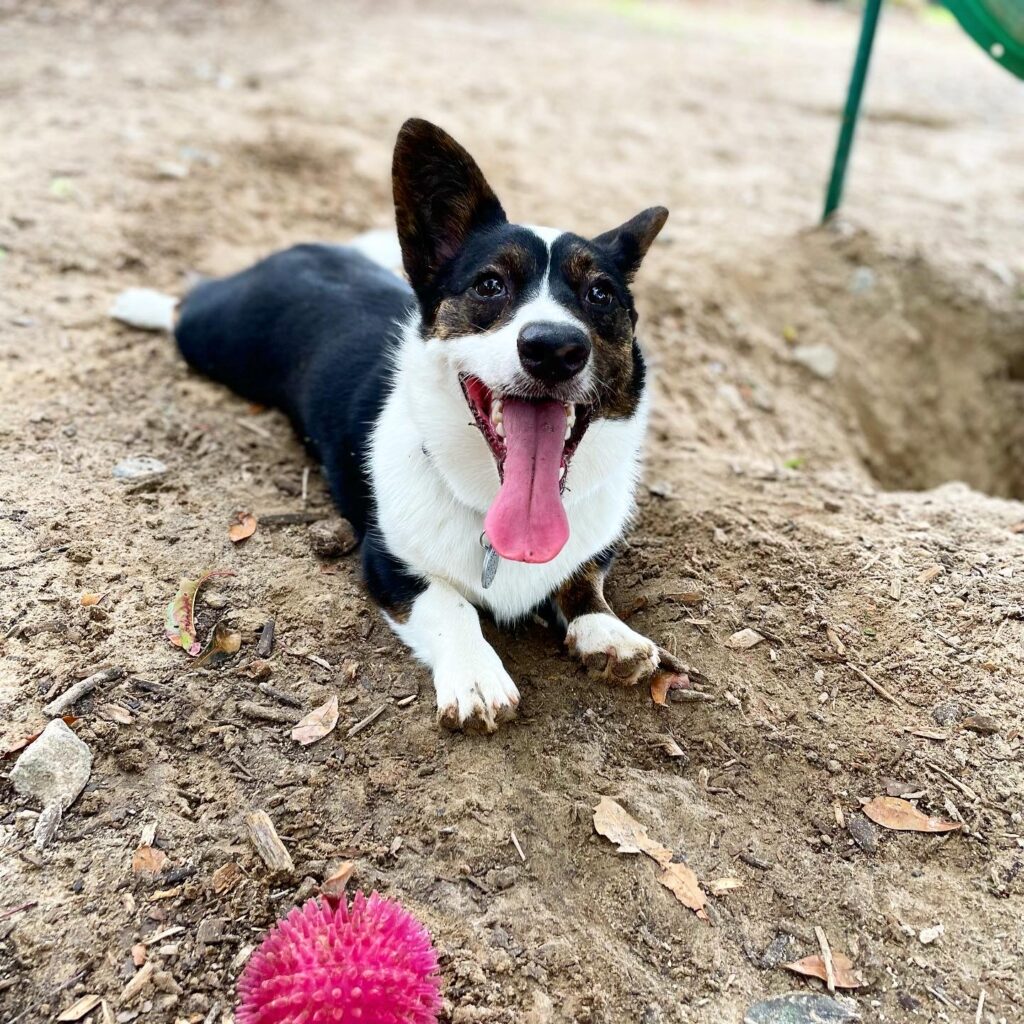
{"x": 179, "y": 620}
{"x": 88, "y": 599}
{"x": 223, "y": 643}
{"x": 317, "y": 724}
{"x": 334, "y": 884}
{"x": 814, "y": 967}
{"x": 744, "y": 639}
{"x": 148, "y": 860}
{"x": 243, "y": 529}
{"x": 613, "y": 822}
{"x": 901, "y": 816}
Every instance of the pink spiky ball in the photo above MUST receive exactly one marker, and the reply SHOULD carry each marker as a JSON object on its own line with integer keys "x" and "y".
{"x": 326, "y": 963}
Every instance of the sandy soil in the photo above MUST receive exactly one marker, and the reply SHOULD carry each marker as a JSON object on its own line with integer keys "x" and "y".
{"x": 145, "y": 143}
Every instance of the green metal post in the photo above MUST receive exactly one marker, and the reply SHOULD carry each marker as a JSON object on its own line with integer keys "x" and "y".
{"x": 872, "y": 9}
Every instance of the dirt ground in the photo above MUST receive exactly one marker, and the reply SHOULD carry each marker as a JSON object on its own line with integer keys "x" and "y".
{"x": 862, "y": 522}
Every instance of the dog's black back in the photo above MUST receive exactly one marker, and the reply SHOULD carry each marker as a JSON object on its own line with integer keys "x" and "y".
{"x": 311, "y": 331}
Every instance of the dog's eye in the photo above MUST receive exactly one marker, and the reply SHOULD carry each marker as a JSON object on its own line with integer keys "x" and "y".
{"x": 599, "y": 295}
{"x": 489, "y": 286}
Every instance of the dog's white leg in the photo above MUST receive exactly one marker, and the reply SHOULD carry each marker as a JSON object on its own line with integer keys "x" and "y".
{"x": 595, "y": 635}
{"x": 474, "y": 691}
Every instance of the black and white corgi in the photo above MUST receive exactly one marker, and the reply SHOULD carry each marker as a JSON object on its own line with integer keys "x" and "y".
{"x": 481, "y": 429}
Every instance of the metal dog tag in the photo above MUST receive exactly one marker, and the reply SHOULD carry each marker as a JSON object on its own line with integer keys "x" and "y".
{"x": 491, "y": 562}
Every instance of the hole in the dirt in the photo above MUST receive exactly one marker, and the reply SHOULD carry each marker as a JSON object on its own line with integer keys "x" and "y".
{"x": 938, "y": 388}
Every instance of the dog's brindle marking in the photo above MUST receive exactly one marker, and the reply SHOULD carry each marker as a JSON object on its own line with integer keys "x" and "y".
{"x": 368, "y": 370}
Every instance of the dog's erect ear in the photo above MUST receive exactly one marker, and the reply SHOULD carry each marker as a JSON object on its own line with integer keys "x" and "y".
{"x": 628, "y": 243}
{"x": 440, "y": 197}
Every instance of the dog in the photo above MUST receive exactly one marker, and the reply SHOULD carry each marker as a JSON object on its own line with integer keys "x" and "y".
{"x": 481, "y": 426}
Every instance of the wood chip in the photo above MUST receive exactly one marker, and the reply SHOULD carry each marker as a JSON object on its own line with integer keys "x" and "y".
{"x": 268, "y": 844}
{"x": 263, "y": 713}
{"x": 722, "y": 885}
{"x": 515, "y": 843}
{"x": 226, "y": 877}
{"x": 78, "y": 1009}
{"x": 929, "y": 573}
{"x": 668, "y": 745}
{"x": 139, "y": 981}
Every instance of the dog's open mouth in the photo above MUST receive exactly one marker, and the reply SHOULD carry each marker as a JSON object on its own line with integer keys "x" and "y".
{"x": 532, "y": 441}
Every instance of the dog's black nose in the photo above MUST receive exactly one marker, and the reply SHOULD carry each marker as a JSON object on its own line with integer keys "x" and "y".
{"x": 553, "y": 352}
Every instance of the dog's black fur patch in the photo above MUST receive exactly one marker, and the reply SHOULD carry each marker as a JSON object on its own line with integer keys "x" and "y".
{"x": 312, "y": 331}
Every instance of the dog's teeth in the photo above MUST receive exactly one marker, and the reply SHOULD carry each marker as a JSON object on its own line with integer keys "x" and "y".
{"x": 561, "y": 473}
{"x": 568, "y": 431}
{"x": 497, "y": 415}
{"x": 499, "y": 429}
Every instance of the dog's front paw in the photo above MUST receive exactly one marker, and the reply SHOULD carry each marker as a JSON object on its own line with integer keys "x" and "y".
{"x": 609, "y": 648}
{"x": 475, "y": 694}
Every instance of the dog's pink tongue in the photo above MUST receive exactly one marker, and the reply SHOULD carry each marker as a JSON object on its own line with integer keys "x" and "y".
{"x": 527, "y": 523}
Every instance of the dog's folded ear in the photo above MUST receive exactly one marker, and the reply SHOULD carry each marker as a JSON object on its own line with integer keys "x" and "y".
{"x": 628, "y": 244}
{"x": 441, "y": 196}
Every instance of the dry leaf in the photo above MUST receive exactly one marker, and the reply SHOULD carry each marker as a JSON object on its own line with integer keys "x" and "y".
{"x": 243, "y": 529}
{"x": 148, "y": 860}
{"x": 720, "y": 885}
{"x": 223, "y": 641}
{"x": 683, "y": 882}
{"x": 668, "y": 745}
{"x": 20, "y": 745}
{"x": 612, "y": 822}
{"x": 317, "y": 724}
{"x": 744, "y": 639}
{"x": 930, "y": 573}
{"x": 78, "y": 1009}
{"x": 629, "y": 836}
{"x": 226, "y": 877}
{"x": 115, "y": 713}
{"x": 334, "y": 884}
{"x": 87, "y": 600}
{"x": 814, "y": 967}
{"x": 179, "y": 619}
{"x": 891, "y": 812}
{"x": 660, "y": 685}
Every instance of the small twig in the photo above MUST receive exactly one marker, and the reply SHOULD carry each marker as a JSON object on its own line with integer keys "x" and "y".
{"x": 515, "y": 843}
{"x": 981, "y": 1007}
{"x": 305, "y": 485}
{"x": 67, "y": 699}
{"x": 272, "y": 519}
{"x": 962, "y": 786}
{"x": 877, "y": 687}
{"x": 256, "y": 429}
{"x": 368, "y": 720}
{"x": 11, "y": 911}
{"x": 264, "y": 714}
{"x": 284, "y": 698}
{"x": 826, "y": 955}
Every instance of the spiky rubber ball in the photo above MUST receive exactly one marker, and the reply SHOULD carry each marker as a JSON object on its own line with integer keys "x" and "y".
{"x": 328, "y": 963}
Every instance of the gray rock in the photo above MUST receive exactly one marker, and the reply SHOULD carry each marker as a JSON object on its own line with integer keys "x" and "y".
{"x": 138, "y": 467}
{"x": 947, "y": 713}
{"x": 779, "y": 951}
{"x": 802, "y": 1008}
{"x": 54, "y": 768}
{"x": 863, "y": 833}
{"x": 822, "y": 360}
